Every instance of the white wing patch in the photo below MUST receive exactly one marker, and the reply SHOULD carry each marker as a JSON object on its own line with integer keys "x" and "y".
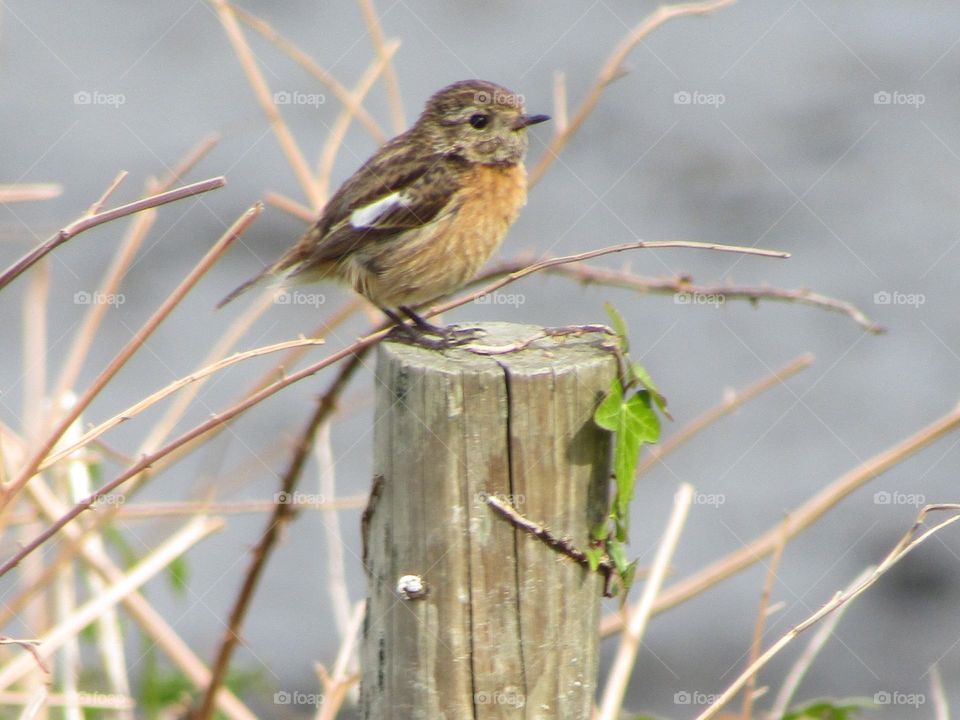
{"x": 368, "y": 215}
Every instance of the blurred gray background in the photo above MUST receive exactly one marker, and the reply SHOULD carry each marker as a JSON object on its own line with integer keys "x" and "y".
{"x": 785, "y": 143}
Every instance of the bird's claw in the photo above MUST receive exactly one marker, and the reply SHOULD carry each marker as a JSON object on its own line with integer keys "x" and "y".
{"x": 435, "y": 337}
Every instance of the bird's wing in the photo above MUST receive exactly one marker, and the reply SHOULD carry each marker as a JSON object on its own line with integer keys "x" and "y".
{"x": 400, "y": 188}
{"x": 382, "y": 200}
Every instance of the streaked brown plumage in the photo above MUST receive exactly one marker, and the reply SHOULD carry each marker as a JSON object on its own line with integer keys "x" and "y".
{"x": 426, "y": 211}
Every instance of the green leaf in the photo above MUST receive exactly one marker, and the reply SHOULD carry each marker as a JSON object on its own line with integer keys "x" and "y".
{"x": 639, "y": 373}
{"x": 829, "y": 709}
{"x": 594, "y": 555}
{"x": 618, "y": 555}
{"x": 95, "y": 471}
{"x": 178, "y": 573}
{"x": 632, "y": 415}
{"x": 607, "y": 414}
{"x": 634, "y": 422}
{"x": 641, "y": 419}
{"x": 619, "y": 327}
{"x": 600, "y": 531}
{"x": 638, "y": 424}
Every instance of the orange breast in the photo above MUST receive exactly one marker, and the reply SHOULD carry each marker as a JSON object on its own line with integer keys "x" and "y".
{"x": 441, "y": 257}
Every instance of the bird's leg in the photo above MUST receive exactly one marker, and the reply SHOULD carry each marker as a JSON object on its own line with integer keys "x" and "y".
{"x": 422, "y": 323}
{"x": 452, "y": 334}
{"x": 421, "y": 330}
{"x": 397, "y": 320}
{"x": 412, "y": 333}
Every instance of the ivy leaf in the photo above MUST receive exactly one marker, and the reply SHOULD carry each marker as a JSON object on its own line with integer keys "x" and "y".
{"x": 618, "y": 556}
{"x": 619, "y": 327}
{"x": 634, "y": 422}
{"x": 639, "y": 373}
{"x": 599, "y": 532}
{"x": 607, "y": 414}
{"x": 594, "y": 555}
{"x": 628, "y": 574}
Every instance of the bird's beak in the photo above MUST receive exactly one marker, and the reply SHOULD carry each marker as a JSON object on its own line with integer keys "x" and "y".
{"x": 527, "y": 120}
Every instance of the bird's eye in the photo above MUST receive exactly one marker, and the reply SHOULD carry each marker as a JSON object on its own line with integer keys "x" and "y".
{"x": 479, "y": 120}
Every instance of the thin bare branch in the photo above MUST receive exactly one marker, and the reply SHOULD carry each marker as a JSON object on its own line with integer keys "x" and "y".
{"x": 684, "y": 287}
{"x": 560, "y": 107}
{"x": 626, "y": 657}
{"x": 560, "y": 545}
{"x": 262, "y": 27}
{"x": 30, "y": 645}
{"x": 338, "y": 131}
{"x": 731, "y": 402}
{"x": 277, "y": 374}
{"x": 800, "y": 518}
{"x": 152, "y": 399}
{"x": 336, "y": 568}
{"x": 197, "y": 153}
{"x": 338, "y": 685}
{"x": 908, "y": 542}
{"x": 175, "y": 546}
{"x": 91, "y": 221}
{"x": 29, "y": 192}
{"x": 110, "y": 284}
{"x": 372, "y": 21}
{"x": 590, "y": 254}
{"x": 261, "y": 90}
{"x": 98, "y": 205}
{"x": 128, "y": 350}
{"x": 290, "y": 206}
{"x": 282, "y": 514}
{"x": 762, "y": 611}
{"x": 34, "y": 352}
{"x": 810, "y": 652}
{"x": 613, "y": 68}
{"x": 123, "y": 258}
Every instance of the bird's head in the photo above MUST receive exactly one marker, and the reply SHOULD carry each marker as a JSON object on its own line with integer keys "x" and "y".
{"x": 477, "y": 120}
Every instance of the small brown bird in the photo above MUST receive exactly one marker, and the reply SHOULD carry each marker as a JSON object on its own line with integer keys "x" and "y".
{"x": 426, "y": 211}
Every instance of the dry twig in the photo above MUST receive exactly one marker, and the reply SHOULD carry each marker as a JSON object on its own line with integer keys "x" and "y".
{"x": 282, "y": 514}
{"x": 908, "y": 542}
{"x": 626, "y": 656}
{"x": 799, "y": 519}
{"x": 91, "y": 221}
{"x": 803, "y": 663}
{"x": 22, "y": 192}
{"x": 372, "y": 21}
{"x": 613, "y": 68}
{"x": 261, "y": 90}
{"x": 360, "y": 345}
{"x": 749, "y": 696}
{"x": 311, "y": 66}
{"x": 127, "y": 352}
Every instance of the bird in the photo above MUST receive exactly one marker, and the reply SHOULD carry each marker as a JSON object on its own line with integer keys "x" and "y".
{"x": 423, "y": 214}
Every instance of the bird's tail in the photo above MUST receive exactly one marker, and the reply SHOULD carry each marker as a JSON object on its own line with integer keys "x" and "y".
{"x": 238, "y": 291}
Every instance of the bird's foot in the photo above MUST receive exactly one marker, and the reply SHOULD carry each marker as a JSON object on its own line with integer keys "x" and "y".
{"x": 436, "y": 338}
{"x": 428, "y": 335}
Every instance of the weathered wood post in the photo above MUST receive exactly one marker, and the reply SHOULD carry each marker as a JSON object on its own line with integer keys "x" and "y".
{"x": 469, "y": 617}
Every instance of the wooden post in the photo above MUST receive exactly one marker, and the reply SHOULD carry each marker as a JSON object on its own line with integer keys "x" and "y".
{"x": 468, "y": 617}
